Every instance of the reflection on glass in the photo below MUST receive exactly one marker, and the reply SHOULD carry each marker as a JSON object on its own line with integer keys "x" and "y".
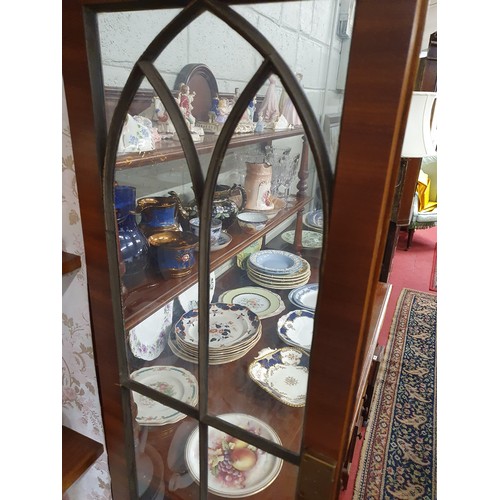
{"x": 160, "y": 460}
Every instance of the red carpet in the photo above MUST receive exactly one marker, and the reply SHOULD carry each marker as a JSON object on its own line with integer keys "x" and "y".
{"x": 410, "y": 269}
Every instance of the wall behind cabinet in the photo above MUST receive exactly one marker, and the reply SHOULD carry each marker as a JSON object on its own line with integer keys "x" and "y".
{"x": 81, "y": 409}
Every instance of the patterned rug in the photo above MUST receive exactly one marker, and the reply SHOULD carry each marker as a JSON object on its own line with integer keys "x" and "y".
{"x": 398, "y": 457}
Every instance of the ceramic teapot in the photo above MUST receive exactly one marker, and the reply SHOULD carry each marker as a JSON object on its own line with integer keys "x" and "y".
{"x": 228, "y": 202}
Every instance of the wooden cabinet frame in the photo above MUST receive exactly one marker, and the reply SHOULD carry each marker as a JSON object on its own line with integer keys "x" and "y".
{"x": 382, "y": 68}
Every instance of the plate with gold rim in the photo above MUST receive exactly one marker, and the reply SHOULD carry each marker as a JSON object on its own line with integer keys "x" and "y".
{"x": 170, "y": 380}
{"x": 235, "y": 468}
{"x": 283, "y": 374}
{"x": 261, "y": 301}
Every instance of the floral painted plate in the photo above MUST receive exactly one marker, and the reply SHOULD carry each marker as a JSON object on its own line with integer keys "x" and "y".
{"x": 230, "y": 324}
{"x": 236, "y": 469}
{"x": 283, "y": 374}
{"x": 310, "y": 239}
{"x": 262, "y": 302}
{"x": 296, "y": 328}
{"x": 222, "y": 242}
{"x": 305, "y": 297}
{"x": 170, "y": 380}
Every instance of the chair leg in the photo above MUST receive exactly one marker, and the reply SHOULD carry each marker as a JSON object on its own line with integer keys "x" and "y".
{"x": 410, "y": 238}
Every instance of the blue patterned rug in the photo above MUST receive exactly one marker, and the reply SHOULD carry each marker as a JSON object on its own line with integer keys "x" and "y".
{"x": 398, "y": 457}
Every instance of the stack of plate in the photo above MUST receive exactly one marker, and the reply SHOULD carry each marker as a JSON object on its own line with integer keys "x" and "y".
{"x": 234, "y": 330}
{"x": 296, "y": 328}
{"x": 305, "y": 297}
{"x": 170, "y": 380}
{"x": 314, "y": 220}
{"x": 278, "y": 269}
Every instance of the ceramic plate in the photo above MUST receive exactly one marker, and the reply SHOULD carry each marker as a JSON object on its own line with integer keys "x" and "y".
{"x": 222, "y": 242}
{"x": 170, "y": 380}
{"x": 189, "y": 298}
{"x": 282, "y": 373}
{"x": 305, "y": 296}
{"x": 262, "y": 302}
{"x": 230, "y": 324}
{"x": 314, "y": 219}
{"x": 224, "y": 452}
{"x": 310, "y": 239}
{"x": 296, "y": 328}
{"x": 148, "y": 339}
{"x": 275, "y": 262}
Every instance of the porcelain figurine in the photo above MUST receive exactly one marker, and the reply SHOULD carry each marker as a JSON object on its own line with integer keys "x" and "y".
{"x": 270, "y": 104}
{"x": 157, "y": 113}
{"x": 287, "y": 108}
{"x": 135, "y": 137}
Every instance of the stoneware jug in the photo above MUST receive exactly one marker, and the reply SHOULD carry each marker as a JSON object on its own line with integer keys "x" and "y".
{"x": 258, "y": 186}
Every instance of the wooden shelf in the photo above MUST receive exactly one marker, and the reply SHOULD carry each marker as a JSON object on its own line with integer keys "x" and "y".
{"x": 78, "y": 454}
{"x": 172, "y": 150}
{"x": 155, "y": 291}
{"x": 70, "y": 262}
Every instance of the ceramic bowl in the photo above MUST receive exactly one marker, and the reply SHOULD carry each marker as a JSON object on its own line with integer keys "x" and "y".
{"x": 215, "y": 230}
{"x": 175, "y": 252}
{"x": 252, "y": 222}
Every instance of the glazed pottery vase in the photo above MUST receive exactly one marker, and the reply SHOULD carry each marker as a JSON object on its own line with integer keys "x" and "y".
{"x": 133, "y": 245}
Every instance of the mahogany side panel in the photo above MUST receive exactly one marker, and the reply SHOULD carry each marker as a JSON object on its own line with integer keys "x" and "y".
{"x": 382, "y": 68}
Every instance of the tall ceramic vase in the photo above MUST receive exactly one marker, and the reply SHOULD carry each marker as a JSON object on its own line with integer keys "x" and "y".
{"x": 133, "y": 245}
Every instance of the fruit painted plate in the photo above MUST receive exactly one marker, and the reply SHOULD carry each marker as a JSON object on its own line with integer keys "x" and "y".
{"x": 283, "y": 373}
{"x": 235, "y": 469}
{"x": 170, "y": 380}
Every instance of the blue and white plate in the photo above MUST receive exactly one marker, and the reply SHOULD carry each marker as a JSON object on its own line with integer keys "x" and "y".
{"x": 296, "y": 328}
{"x": 314, "y": 219}
{"x": 305, "y": 297}
{"x": 276, "y": 262}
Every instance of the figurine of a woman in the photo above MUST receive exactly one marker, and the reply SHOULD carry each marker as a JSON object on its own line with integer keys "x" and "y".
{"x": 270, "y": 105}
{"x": 288, "y": 109}
{"x": 185, "y": 103}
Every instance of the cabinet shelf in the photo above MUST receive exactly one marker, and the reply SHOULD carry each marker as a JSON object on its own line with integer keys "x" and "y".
{"x": 172, "y": 150}
{"x": 78, "y": 453}
{"x": 155, "y": 291}
{"x": 70, "y": 262}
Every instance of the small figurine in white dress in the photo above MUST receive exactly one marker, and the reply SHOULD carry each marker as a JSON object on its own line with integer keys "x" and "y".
{"x": 270, "y": 105}
{"x": 288, "y": 109}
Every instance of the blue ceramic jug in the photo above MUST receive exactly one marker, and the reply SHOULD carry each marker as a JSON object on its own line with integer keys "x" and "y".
{"x": 132, "y": 242}
{"x": 158, "y": 213}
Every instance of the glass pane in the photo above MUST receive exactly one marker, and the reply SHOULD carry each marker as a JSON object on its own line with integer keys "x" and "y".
{"x": 237, "y": 469}
{"x": 160, "y": 459}
{"x": 266, "y": 230}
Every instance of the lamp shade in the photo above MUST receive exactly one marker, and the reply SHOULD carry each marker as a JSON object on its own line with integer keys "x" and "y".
{"x": 420, "y": 135}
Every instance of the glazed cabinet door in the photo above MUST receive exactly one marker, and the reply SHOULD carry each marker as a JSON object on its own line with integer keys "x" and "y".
{"x": 234, "y": 187}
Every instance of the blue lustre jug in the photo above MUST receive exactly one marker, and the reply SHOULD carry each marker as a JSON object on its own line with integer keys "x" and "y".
{"x": 134, "y": 247}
